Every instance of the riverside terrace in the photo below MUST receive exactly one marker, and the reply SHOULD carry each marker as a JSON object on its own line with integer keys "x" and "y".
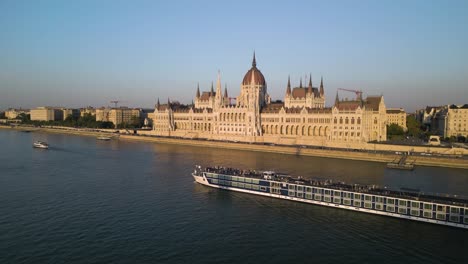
{"x": 342, "y": 186}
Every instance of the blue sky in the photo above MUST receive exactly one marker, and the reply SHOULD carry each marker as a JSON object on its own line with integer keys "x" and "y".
{"x": 79, "y": 53}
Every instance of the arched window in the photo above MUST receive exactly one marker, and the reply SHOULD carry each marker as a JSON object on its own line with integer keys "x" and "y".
{"x": 358, "y": 120}
{"x": 346, "y": 121}
{"x": 352, "y": 120}
{"x": 341, "y": 120}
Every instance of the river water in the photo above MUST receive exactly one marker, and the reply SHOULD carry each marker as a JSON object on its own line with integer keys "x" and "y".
{"x": 89, "y": 201}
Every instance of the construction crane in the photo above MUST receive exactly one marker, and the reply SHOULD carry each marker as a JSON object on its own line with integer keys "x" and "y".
{"x": 116, "y": 102}
{"x": 357, "y": 92}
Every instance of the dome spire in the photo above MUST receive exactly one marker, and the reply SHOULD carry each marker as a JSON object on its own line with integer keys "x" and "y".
{"x": 254, "y": 61}
{"x": 198, "y": 90}
{"x": 300, "y": 84}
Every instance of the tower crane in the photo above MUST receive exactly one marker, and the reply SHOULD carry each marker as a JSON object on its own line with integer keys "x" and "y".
{"x": 116, "y": 102}
{"x": 357, "y": 92}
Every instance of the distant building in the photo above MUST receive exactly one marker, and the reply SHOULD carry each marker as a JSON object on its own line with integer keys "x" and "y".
{"x": 117, "y": 115}
{"x": 446, "y": 121}
{"x": 455, "y": 121}
{"x": 427, "y": 116}
{"x": 147, "y": 116}
{"x": 397, "y": 116}
{"x": 75, "y": 113}
{"x": 47, "y": 114}
{"x": 13, "y": 113}
{"x": 87, "y": 110}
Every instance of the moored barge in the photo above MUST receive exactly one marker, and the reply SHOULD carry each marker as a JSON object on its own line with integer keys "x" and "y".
{"x": 449, "y": 210}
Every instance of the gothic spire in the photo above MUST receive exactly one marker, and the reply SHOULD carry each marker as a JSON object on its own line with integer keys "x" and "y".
{"x": 212, "y": 91}
{"x": 254, "y": 62}
{"x": 300, "y": 84}
{"x": 288, "y": 89}
{"x": 198, "y": 90}
{"x": 337, "y": 100}
{"x": 157, "y": 104}
{"x": 168, "y": 103}
{"x": 218, "y": 84}
{"x": 225, "y": 91}
{"x": 310, "y": 84}
{"x": 321, "y": 87}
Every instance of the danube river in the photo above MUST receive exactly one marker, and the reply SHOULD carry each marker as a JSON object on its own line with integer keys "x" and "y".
{"x": 89, "y": 201}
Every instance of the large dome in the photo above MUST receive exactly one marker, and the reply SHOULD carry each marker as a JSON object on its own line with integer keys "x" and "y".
{"x": 254, "y": 75}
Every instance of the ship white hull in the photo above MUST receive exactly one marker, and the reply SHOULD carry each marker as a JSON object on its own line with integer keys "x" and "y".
{"x": 40, "y": 146}
{"x": 204, "y": 181}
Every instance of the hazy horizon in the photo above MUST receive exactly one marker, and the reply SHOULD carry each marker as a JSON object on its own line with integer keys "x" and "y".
{"x": 88, "y": 53}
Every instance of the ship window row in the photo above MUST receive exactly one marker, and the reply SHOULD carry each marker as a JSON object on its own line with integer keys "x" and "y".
{"x": 233, "y": 178}
{"x": 236, "y": 184}
{"x": 275, "y": 190}
{"x": 375, "y": 202}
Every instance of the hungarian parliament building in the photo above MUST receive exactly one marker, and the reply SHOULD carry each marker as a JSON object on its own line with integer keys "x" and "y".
{"x": 300, "y": 119}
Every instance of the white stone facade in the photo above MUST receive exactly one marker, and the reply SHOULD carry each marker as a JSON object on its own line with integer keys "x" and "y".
{"x": 254, "y": 118}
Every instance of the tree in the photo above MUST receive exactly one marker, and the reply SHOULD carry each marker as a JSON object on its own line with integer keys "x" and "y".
{"x": 395, "y": 131}
{"x": 414, "y": 127}
{"x": 136, "y": 122}
{"x": 24, "y": 117}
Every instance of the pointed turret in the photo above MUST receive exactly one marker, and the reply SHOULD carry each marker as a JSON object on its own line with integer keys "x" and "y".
{"x": 337, "y": 99}
{"x": 168, "y": 103}
{"x": 225, "y": 91}
{"x": 309, "y": 90}
{"x": 198, "y": 90}
{"x": 288, "y": 89}
{"x": 218, "y": 83}
{"x": 300, "y": 84}
{"x": 321, "y": 87}
{"x": 254, "y": 62}
{"x": 158, "y": 104}
{"x": 212, "y": 91}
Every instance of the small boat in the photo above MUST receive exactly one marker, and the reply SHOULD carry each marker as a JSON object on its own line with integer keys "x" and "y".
{"x": 40, "y": 144}
{"x": 398, "y": 166}
{"x": 103, "y": 138}
{"x": 401, "y": 164}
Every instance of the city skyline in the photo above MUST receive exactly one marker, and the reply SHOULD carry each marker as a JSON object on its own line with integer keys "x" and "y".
{"x": 87, "y": 53}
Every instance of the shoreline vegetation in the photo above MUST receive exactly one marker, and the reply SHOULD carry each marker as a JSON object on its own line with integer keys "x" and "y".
{"x": 433, "y": 161}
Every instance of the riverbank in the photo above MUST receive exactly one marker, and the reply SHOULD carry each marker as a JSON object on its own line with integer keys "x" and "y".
{"x": 289, "y": 150}
{"x": 337, "y": 154}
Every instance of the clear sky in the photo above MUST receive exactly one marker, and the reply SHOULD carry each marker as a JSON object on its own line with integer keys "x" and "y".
{"x": 79, "y": 53}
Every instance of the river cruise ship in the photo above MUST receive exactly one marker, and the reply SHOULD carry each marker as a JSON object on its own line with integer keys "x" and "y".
{"x": 449, "y": 210}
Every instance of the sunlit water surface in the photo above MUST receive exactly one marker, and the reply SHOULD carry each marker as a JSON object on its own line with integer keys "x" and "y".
{"x": 89, "y": 201}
